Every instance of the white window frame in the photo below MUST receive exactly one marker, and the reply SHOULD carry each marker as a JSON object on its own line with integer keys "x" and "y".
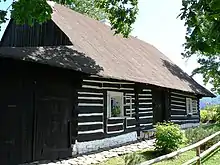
{"x": 130, "y": 105}
{"x": 192, "y": 108}
{"x": 109, "y": 95}
{"x": 189, "y": 106}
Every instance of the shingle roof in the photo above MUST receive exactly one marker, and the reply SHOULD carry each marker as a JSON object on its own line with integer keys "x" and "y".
{"x": 97, "y": 51}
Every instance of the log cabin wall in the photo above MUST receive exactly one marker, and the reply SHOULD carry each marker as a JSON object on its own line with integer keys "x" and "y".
{"x": 96, "y": 129}
{"x": 130, "y": 113}
{"x": 46, "y": 34}
{"x": 92, "y": 109}
{"x": 145, "y": 108}
{"x": 90, "y": 113}
{"x": 15, "y": 119}
{"x": 38, "y": 103}
{"x": 178, "y": 109}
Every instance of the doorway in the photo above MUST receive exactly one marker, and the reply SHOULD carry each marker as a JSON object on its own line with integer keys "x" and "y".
{"x": 159, "y": 111}
{"x": 53, "y": 111}
{"x": 10, "y": 121}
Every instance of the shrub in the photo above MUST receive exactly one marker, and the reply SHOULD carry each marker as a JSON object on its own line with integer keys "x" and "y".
{"x": 204, "y": 116}
{"x": 218, "y": 114}
{"x": 169, "y": 137}
{"x": 213, "y": 117}
{"x": 196, "y": 134}
{"x": 210, "y": 114}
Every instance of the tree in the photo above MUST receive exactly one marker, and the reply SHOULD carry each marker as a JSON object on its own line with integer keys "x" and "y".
{"x": 202, "y": 19}
{"x": 121, "y": 13}
{"x": 88, "y": 7}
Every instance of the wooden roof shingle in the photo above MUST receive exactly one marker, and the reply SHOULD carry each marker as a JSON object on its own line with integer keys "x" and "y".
{"x": 96, "y": 50}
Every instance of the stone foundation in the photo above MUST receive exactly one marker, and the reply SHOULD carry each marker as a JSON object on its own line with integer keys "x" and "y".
{"x": 85, "y": 147}
{"x": 189, "y": 125}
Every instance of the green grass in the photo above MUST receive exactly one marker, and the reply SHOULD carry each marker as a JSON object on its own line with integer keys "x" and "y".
{"x": 211, "y": 126}
{"x": 113, "y": 161}
{"x": 141, "y": 156}
{"x": 182, "y": 158}
{"x": 213, "y": 159}
{"x": 150, "y": 154}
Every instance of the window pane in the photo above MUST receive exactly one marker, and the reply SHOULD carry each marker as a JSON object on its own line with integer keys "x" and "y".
{"x": 189, "y": 105}
{"x": 116, "y": 106}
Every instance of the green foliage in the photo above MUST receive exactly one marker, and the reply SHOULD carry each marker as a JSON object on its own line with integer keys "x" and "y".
{"x": 211, "y": 114}
{"x": 208, "y": 116}
{"x": 169, "y": 137}
{"x": 204, "y": 116}
{"x": 202, "y": 19}
{"x": 196, "y": 134}
{"x": 88, "y": 7}
{"x": 3, "y": 14}
{"x": 132, "y": 159}
{"x": 3, "y": 18}
{"x": 28, "y": 12}
{"x": 121, "y": 13}
{"x": 116, "y": 111}
{"x": 218, "y": 114}
{"x": 148, "y": 155}
{"x": 212, "y": 159}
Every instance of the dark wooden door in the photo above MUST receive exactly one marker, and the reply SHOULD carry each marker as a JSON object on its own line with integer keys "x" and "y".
{"x": 158, "y": 105}
{"x": 53, "y": 107}
{"x": 10, "y": 121}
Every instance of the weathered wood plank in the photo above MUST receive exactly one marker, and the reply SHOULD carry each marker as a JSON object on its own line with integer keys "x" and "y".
{"x": 90, "y": 119}
{"x": 46, "y": 34}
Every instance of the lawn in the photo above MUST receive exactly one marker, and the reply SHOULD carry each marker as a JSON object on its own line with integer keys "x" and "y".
{"x": 148, "y": 155}
{"x": 142, "y": 156}
{"x": 213, "y": 159}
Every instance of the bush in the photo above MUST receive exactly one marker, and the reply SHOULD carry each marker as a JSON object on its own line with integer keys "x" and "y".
{"x": 169, "y": 137}
{"x": 196, "y": 134}
{"x": 210, "y": 114}
{"x": 218, "y": 113}
{"x": 204, "y": 116}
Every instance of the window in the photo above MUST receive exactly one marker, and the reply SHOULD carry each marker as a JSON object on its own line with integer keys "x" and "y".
{"x": 128, "y": 104}
{"x": 191, "y": 106}
{"x": 194, "y": 107}
{"x": 188, "y": 105}
{"x": 115, "y": 104}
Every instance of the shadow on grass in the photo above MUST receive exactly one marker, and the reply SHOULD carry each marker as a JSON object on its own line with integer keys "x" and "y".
{"x": 151, "y": 154}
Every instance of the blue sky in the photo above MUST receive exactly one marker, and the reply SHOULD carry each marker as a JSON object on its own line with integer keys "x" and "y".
{"x": 157, "y": 24}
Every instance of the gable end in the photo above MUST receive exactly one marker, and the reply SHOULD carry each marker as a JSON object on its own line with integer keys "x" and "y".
{"x": 46, "y": 34}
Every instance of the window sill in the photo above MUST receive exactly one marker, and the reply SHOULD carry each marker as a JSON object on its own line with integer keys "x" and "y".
{"x": 122, "y": 117}
{"x": 192, "y": 115}
{"x": 129, "y": 117}
{"x": 116, "y": 117}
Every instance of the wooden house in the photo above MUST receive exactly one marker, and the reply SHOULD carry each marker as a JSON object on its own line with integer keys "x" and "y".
{"x": 69, "y": 86}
